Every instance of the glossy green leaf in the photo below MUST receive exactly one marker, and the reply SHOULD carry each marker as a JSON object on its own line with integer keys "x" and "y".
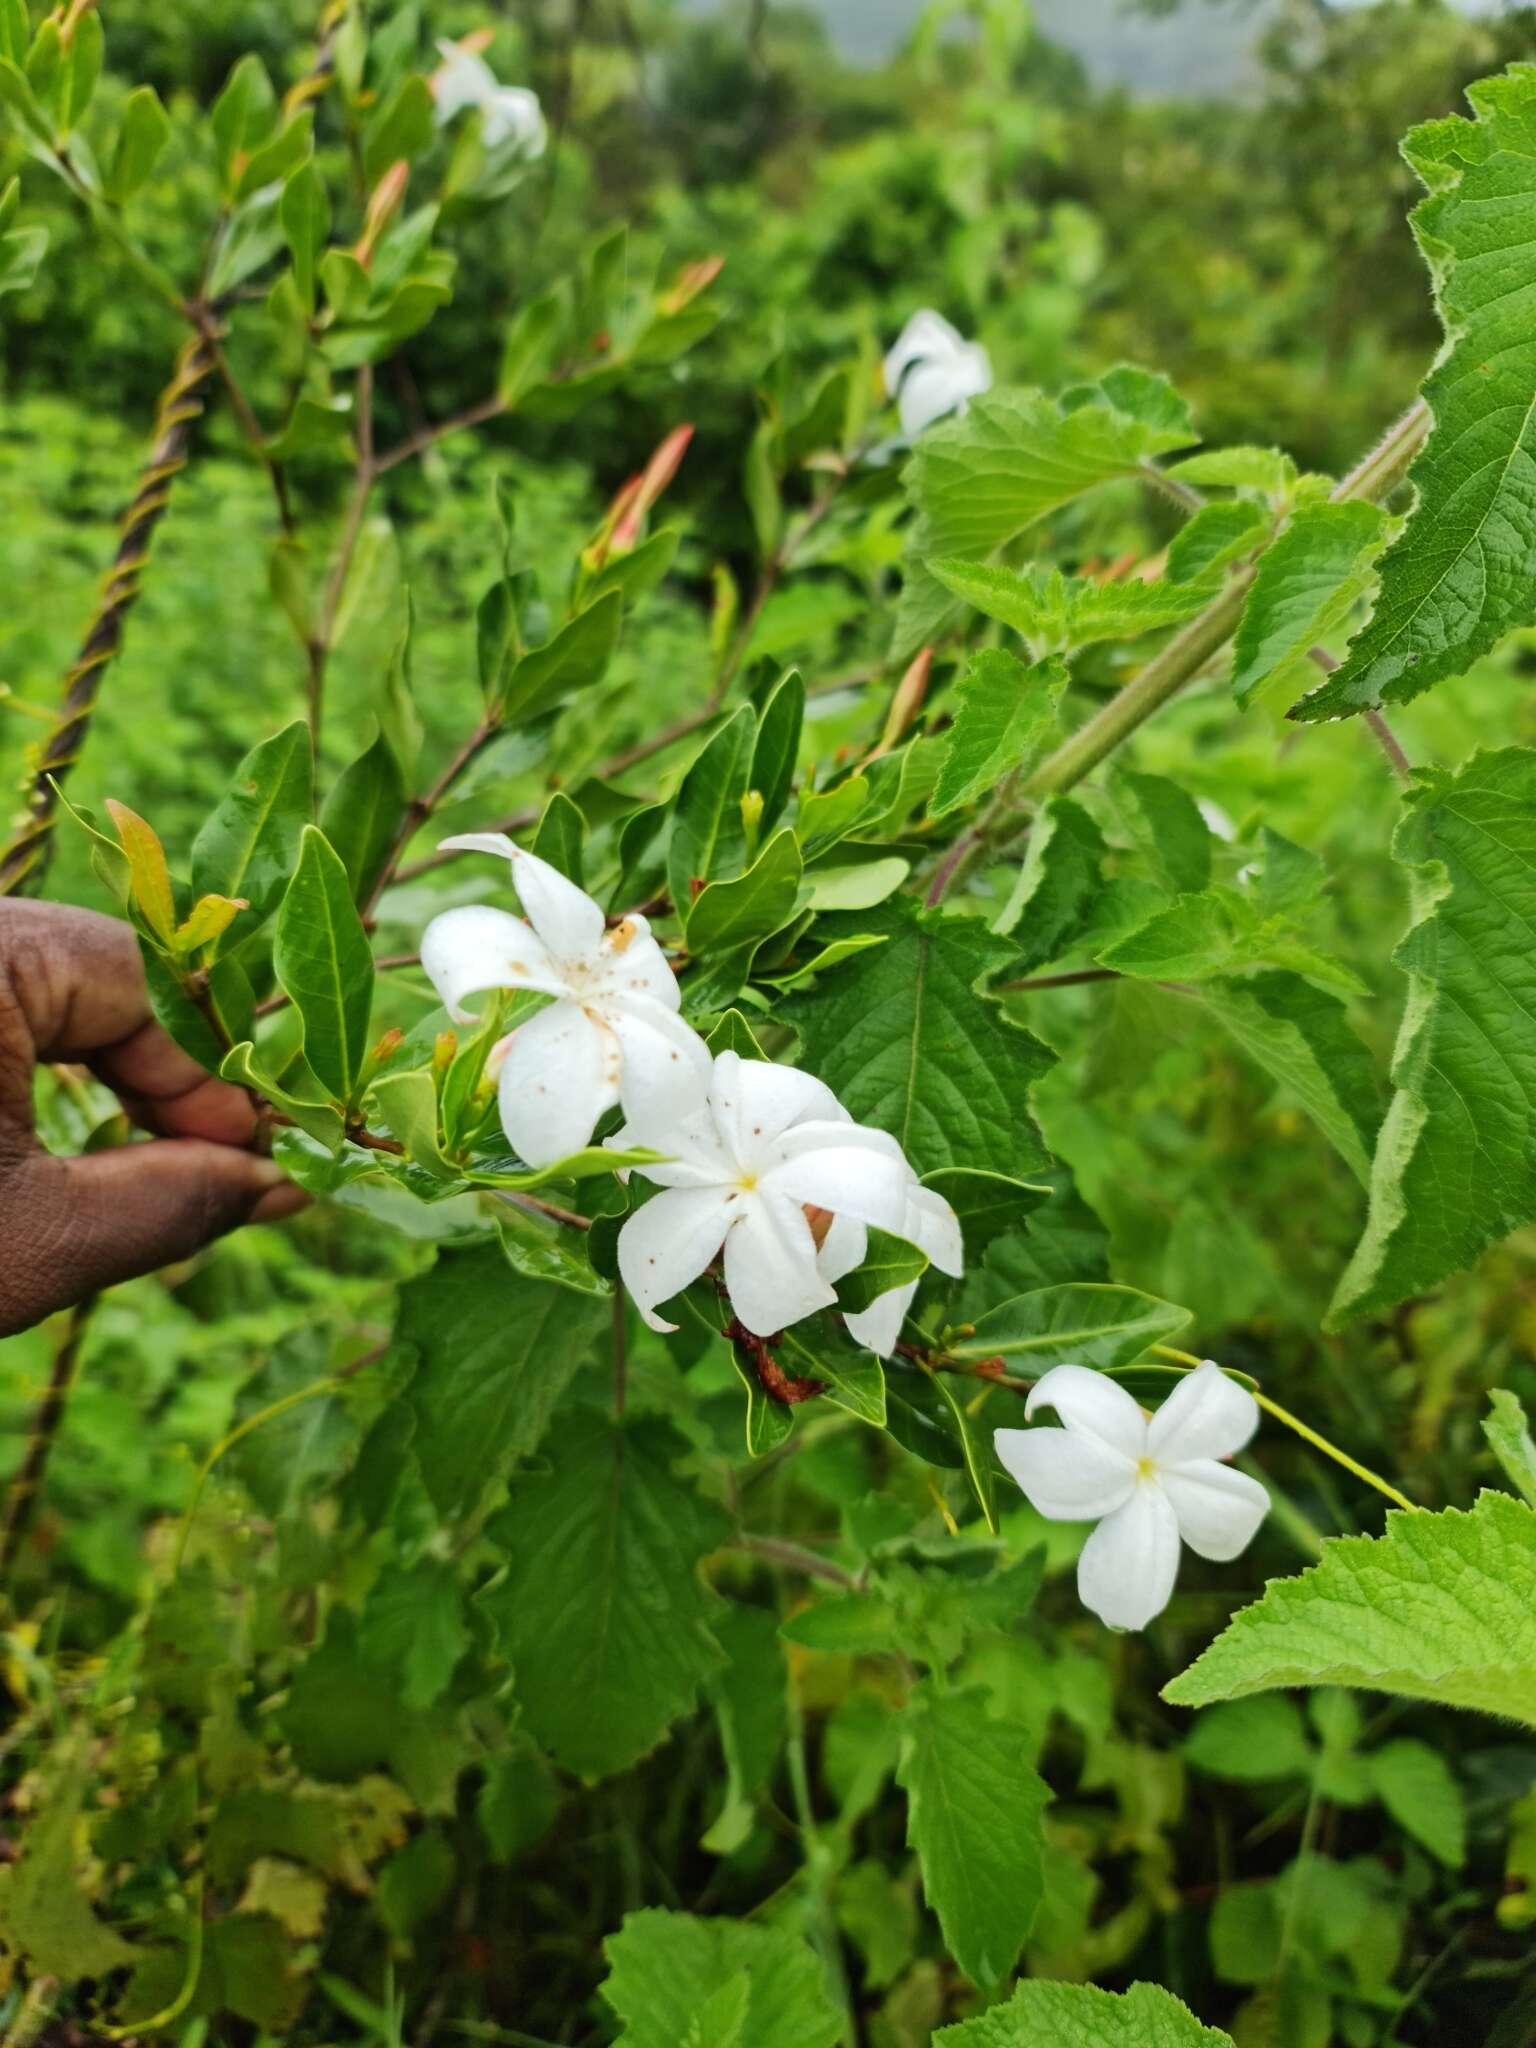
{"x": 777, "y": 749}
{"x": 324, "y": 965}
{"x": 363, "y": 815}
{"x": 577, "y": 657}
{"x": 1073, "y": 1325}
{"x": 888, "y": 1262}
{"x": 707, "y": 838}
{"x": 305, "y": 213}
{"x": 754, "y": 905}
{"x": 145, "y": 130}
{"x": 320, "y": 1119}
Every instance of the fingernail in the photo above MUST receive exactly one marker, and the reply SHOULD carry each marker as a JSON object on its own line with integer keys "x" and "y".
{"x": 283, "y": 1201}
{"x": 266, "y": 1173}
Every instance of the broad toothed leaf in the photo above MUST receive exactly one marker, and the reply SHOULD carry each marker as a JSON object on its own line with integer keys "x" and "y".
{"x": 1005, "y": 714}
{"x": 1304, "y": 588}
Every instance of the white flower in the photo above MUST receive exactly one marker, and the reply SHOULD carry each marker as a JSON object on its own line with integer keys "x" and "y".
{"x": 508, "y": 113}
{"x": 754, "y": 1147}
{"x": 613, "y": 1033}
{"x": 932, "y": 1225}
{"x": 1146, "y": 1483}
{"x": 932, "y": 370}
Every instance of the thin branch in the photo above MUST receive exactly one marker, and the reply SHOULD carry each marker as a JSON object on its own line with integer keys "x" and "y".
{"x": 789, "y": 1557}
{"x": 428, "y": 437}
{"x": 1072, "y": 980}
{"x": 779, "y": 559}
{"x": 516, "y": 1199}
{"x": 27, "y": 1484}
{"x": 1375, "y": 722}
{"x": 420, "y": 808}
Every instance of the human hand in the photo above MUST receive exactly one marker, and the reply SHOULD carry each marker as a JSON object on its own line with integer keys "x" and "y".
{"x": 72, "y": 988}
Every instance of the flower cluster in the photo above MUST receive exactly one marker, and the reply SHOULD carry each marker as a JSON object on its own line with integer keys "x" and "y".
{"x": 761, "y": 1165}
{"x": 761, "y": 1169}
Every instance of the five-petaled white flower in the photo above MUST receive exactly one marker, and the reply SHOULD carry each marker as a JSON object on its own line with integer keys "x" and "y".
{"x": 751, "y": 1148}
{"x": 932, "y": 370}
{"x": 932, "y": 1225}
{"x": 612, "y": 1034}
{"x": 508, "y": 113}
{"x": 1146, "y": 1482}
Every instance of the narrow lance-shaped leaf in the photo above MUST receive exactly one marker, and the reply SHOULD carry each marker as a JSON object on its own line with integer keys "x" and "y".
{"x": 1464, "y": 571}
{"x": 707, "y": 837}
{"x": 753, "y": 905}
{"x": 248, "y": 845}
{"x": 324, "y": 964}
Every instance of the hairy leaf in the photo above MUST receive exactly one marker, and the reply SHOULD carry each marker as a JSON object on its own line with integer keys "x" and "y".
{"x": 1455, "y": 1165}
{"x": 1303, "y": 589}
{"x": 601, "y": 1607}
{"x": 1436, "y": 1609}
{"x": 664, "y": 1967}
{"x": 1078, "y": 2016}
{"x": 1005, "y": 714}
{"x": 1059, "y": 612}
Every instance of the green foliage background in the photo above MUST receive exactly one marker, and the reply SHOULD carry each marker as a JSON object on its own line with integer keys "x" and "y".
{"x": 318, "y": 1777}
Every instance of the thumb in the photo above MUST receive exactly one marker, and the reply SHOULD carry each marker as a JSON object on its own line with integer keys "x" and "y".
{"x": 78, "y": 1225}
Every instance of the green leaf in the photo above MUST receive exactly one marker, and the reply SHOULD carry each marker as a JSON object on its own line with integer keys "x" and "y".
{"x": 1216, "y": 536}
{"x": 707, "y": 837}
{"x": 320, "y": 1119}
{"x": 576, "y": 658}
{"x": 532, "y": 340}
{"x": 1455, "y": 1165}
{"x": 1436, "y": 1609}
{"x": 270, "y": 164}
{"x": 44, "y": 1914}
{"x": 402, "y": 127}
{"x": 978, "y": 480}
{"x": 253, "y": 236}
{"x": 756, "y": 904}
{"x": 1005, "y": 714}
{"x": 974, "y": 1810}
{"x": 1459, "y": 575}
{"x": 1254, "y": 1741}
{"x": 1304, "y": 588}
{"x": 305, "y": 213}
{"x": 1509, "y": 1438}
{"x": 636, "y": 574}
{"x": 241, "y": 114}
{"x": 363, "y": 815}
{"x": 413, "y": 1632}
{"x": 889, "y": 1262}
{"x": 249, "y": 845}
{"x": 778, "y": 747}
{"x": 1079, "y": 2016}
{"x": 322, "y": 961}
{"x": 312, "y": 428}
{"x": 1058, "y": 883}
{"x": 905, "y": 1041}
{"x": 1414, "y": 1784}
{"x": 986, "y": 1204}
{"x": 748, "y": 1696}
{"x": 20, "y": 255}
{"x": 1062, "y": 613}
{"x": 495, "y": 1352}
{"x": 855, "y": 1378}
{"x": 145, "y": 131}
{"x": 828, "y": 815}
{"x": 665, "y": 1968}
{"x": 1268, "y": 471}
{"x": 408, "y": 1104}
{"x": 1194, "y": 936}
{"x": 1080, "y": 1324}
{"x": 561, "y": 837}
{"x": 1302, "y": 1038}
{"x": 601, "y": 1608}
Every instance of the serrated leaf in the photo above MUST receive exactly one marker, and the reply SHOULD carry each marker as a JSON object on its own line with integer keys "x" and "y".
{"x": 322, "y": 960}
{"x": 1266, "y": 470}
{"x": 1436, "y": 1609}
{"x": 1005, "y": 714}
{"x": 905, "y": 1041}
{"x": 1213, "y": 538}
{"x": 1415, "y": 1785}
{"x": 1509, "y": 1438}
{"x": 1081, "y": 1324}
{"x": 663, "y": 1968}
{"x": 1255, "y": 1741}
{"x": 754, "y": 905}
{"x": 1167, "y": 821}
{"x": 1058, "y": 883}
{"x": 495, "y": 1351}
{"x": 601, "y": 1607}
{"x": 974, "y": 1808}
{"x": 1460, "y": 575}
{"x": 1455, "y": 1164}
{"x": 1304, "y": 588}
{"x": 1302, "y": 1038}
{"x": 1062, "y": 613}
{"x": 978, "y": 480}
{"x": 1080, "y": 2016}
{"x": 412, "y": 1630}
{"x": 44, "y": 1914}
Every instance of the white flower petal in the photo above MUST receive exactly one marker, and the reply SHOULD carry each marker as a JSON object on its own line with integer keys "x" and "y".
{"x": 666, "y": 1063}
{"x": 878, "y": 1327}
{"x": 756, "y": 1101}
{"x": 565, "y": 917}
{"x": 1218, "y": 1510}
{"x": 476, "y": 948}
{"x": 931, "y": 389}
{"x": 1094, "y": 1404}
{"x": 934, "y": 1228}
{"x": 513, "y": 114}
{"x": 846, "y": 1168}
{"x": 927, "y": 333}
{"x": 465, "y": 80}
{"x": 1128, "y": 1566}
{"x": 560, "y": 1073}
{"x": 770, "y": 1266}
{"x": 665, "y": 1246}
{"x": 844, "y": 1246}
{"x": 631, "y": 963}
{"x": 692, "y": 1145}
{"x": 1206, "y": 1416}
{"x": 1066, "y": 1474}
{"x": 496, "y": 843}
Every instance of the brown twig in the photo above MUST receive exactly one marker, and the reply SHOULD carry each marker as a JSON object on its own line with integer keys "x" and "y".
{"x": 24, "y": 860}
{"x": 472, "y": 416}
{"x": 516, "y": 1199}
{"x": 420, "y": 808}
{"x": 27, "y": 1484}
{"x": 790, "y": 1557}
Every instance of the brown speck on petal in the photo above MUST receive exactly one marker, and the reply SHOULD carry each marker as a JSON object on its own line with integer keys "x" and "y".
{"x": 622, "y": 936}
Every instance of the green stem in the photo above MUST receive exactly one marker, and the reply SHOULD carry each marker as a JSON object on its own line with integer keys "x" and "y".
{"x": 1309, "y": 1435}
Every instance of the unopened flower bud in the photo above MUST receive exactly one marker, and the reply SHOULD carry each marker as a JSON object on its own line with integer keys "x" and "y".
{"x": 447, "y": 1044}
